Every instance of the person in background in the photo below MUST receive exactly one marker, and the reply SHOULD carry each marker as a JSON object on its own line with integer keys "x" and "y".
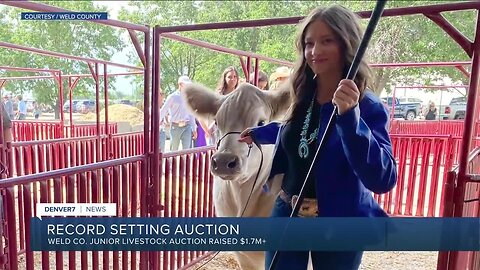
{"x": 432, "y": 112}
{"x": 7, "y": 125}
{"x": 201, "y": 138}
{"x": 36, "y": 110}
{"x": 9, "y": 106}
{"x": 163, "y": 123}
{"x": 262, "y": 80}
{"x": 22, "y": 108}
{"x": 163, "y": 134}
{"x": 356, "y": 159}
{"x": 228, "y": 81}
{"x": 183, "y": 127}
{"x": 280, "y": 75}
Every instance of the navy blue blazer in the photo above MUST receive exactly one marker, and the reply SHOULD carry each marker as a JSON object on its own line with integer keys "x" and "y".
{"x": 355, "y": 161}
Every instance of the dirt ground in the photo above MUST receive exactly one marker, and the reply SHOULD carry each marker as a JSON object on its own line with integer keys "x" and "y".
{"x": 377, "y": 260}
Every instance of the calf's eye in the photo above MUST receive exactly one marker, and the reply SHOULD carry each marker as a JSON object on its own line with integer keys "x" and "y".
{"x": 261, "y": 123}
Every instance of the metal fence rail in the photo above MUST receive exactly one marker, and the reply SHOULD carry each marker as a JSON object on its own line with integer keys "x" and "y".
{"x": 117, "y": 181}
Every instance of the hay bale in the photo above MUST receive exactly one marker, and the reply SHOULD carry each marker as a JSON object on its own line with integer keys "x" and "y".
{"x": 118, "y": 113}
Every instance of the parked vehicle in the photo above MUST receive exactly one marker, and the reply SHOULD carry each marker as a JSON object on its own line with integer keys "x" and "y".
{"x": 86, "y": 106}
{"x": 127, "y": 102}
{"x": 407, "y": 110}
{"x": 404, "y": 100}
{"x": 66, "y": 106}
{"x": 455, "y": 110}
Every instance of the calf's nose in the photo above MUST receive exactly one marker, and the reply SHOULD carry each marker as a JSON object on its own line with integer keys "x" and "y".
{"x": 225, "y": 163}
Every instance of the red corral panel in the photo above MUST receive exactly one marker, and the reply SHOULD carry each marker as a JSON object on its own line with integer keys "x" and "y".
{"x": 425, "y": 127}
{"x": 27, "y": 130}
{"x": 185, "y": 190}
{"x": 423, "y": 163}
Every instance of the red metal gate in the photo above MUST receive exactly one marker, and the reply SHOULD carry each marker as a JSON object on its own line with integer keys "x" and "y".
{"x": 470, "y": 200}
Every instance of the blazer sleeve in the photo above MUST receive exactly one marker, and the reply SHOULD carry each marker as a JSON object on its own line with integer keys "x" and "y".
{"x": 367, "y": 146}
{"x": 266, "y": 134}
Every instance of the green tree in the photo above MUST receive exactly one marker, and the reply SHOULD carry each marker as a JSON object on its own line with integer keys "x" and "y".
{"x": 397, "y": 39}
{"x": 71, "y": 37}
{"x": 416, "y": 38}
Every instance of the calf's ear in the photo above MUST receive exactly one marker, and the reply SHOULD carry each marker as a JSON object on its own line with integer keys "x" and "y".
{"x": 201, "y": 101}
{"x": 280, "y": 100}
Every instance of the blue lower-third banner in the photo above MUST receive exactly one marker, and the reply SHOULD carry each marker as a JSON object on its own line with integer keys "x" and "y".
{"x": 252, "y": 234}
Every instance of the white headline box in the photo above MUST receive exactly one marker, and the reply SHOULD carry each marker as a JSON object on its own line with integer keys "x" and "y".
{"x": 76, "y": 209}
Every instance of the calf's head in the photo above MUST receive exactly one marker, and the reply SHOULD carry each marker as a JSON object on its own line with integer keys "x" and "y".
{"x": 245, "y": 107}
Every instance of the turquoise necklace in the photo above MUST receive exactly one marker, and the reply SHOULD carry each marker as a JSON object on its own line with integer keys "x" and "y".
{"x": 303, "y": 150}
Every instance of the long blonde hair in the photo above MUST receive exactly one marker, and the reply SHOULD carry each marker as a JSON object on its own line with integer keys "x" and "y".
{"x": 345, "y": 24}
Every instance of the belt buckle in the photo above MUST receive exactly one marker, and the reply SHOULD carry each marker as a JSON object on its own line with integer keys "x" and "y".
{"x": 308, "y": 208}
{"x": 182, "y": 123}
